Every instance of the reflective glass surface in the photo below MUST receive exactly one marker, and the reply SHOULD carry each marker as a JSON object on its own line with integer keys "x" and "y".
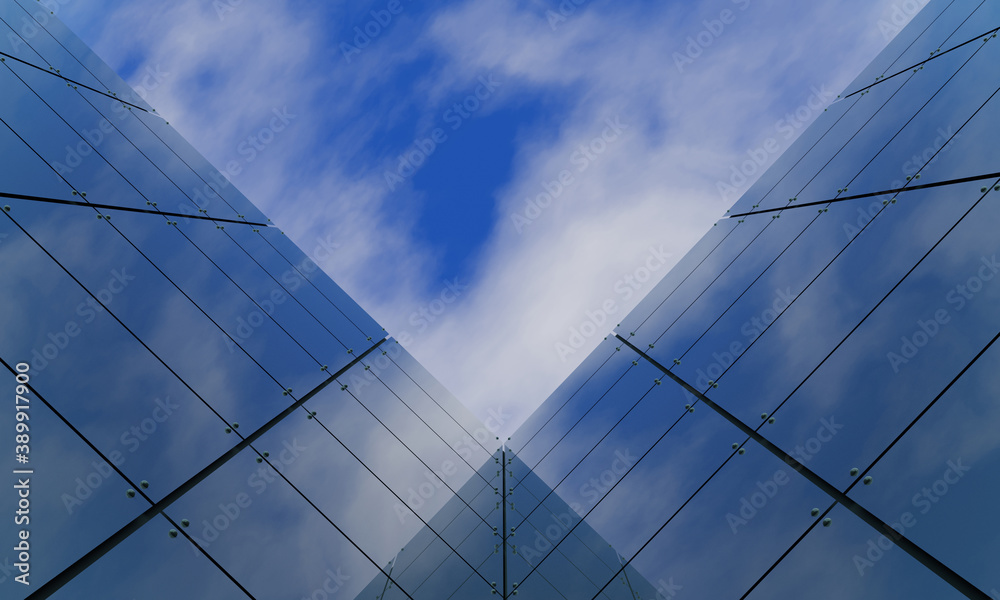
{"x": 197, "y": 397}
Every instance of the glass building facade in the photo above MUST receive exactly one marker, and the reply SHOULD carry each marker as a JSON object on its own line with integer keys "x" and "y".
{"x": 805, "y": 406}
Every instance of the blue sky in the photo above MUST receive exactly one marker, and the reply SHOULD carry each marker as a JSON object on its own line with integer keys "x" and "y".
{"x": 493, "y": 175}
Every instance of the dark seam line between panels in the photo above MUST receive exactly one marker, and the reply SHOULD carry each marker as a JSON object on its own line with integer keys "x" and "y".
{"x": 919, "y": 64}
{"x": 120, "y": 322}
{"x": 121, "y": 474}
{"x": 112, "y": 166}
{"x": 314, "y": 286}
{"x": 552, "y": 489}
{"x": 503, "y": 515}
{"x": 568, "y": 399}
{"x": 804, "y": 229}
{"x": 844, "y": 249}
{"x": 787, "y": 551}
{"x": 126, "y": 208}
{"x": 587, "y": 412}
{"x": 184, "y": 162}
{"x": 391, "y": 491}
{"x": 801, "y": 158}
{"x": 669, "y": 519}
{"x": 179, "y": 189}
{"x": 68, "y": 80}
{"x": 167, "y": 177}
{"x": 883, "y": 453}
{"x": 165, "y": 145}
{"x": 421, "y": 419}
{"x": 67, "y": 574}
{"x": 625, "y": 572}
{"x": 840, "y": 118}
{"x": 925, "y": 558}
{"x": 876, "y": 215}
{"x": 872, "y": 194}
{"x": 428, "y": 574}
{"x": 906, "y": 186}
{"x": 445, "y": 411}
{"x": 570, "y": 532}
{"x": 622, "y": 478}
{"x": 141, "y": 195}
{"x": 679, "y": 284}
{"x": 165, "y": 276}
{"x": 428, "y": 467}
{"x": 792, "y": 393}
{"x": 826, "y": 202}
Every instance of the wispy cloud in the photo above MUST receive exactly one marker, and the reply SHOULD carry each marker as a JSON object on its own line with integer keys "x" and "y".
{"x": 651, "y": 187}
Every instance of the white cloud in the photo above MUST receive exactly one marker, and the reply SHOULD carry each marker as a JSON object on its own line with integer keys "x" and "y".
{"x": 654, "y": 185}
